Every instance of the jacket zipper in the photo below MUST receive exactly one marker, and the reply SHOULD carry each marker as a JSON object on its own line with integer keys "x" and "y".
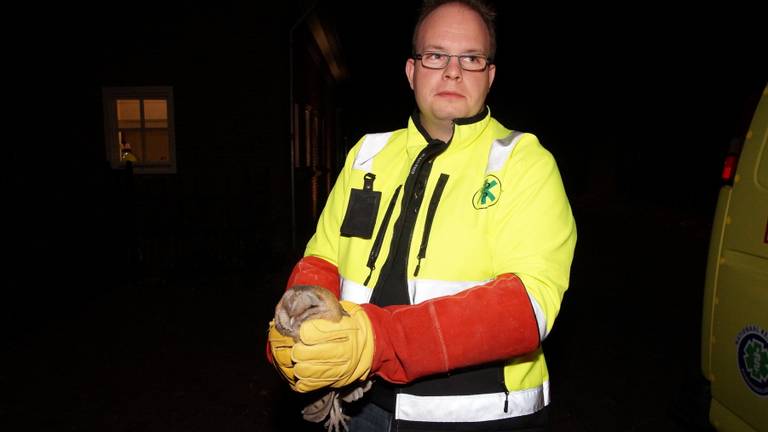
{"x": 398, "y": 249}
{"x": 433, "y": 202}
{"x": 504, "y": 387}
{"x": 376, "y": 248}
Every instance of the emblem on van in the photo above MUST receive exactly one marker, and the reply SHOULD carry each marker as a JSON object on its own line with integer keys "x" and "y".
{"x": 489, "y": 194}
{"x": 752, "y": 353}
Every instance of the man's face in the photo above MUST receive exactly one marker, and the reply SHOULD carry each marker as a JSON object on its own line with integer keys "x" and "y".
{"x": 450, "y": 93}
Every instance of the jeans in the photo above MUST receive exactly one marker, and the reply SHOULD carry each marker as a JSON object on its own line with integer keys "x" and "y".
{"x": 371, "y": 418}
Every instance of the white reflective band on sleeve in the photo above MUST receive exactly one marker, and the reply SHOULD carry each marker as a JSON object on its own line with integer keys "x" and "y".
{"x": 355, "y": 292}
{"x": 471, "y": 408}
{"x": 421, "y": 290}
{"x": 500, "y": 151}
{"x": 368, "y": 149}
{"x": 541, "y": 317}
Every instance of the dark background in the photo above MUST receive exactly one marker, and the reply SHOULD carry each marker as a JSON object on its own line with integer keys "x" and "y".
{"x": 139, "y": 302}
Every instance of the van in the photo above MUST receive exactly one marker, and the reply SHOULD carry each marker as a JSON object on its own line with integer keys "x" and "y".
{"x": 734, "y": 339}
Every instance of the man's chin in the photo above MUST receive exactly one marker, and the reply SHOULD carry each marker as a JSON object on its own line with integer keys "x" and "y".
{"x": 451, "y": 114}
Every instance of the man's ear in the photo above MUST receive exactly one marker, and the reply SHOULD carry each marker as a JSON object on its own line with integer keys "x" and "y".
{"x": 410, "y": 66}
{"x": 491, "y": 74}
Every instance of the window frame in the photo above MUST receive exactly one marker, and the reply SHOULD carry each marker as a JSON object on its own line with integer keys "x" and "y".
{"x": 110, "y": 95}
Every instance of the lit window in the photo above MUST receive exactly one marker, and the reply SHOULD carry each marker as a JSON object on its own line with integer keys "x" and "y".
{"x": 139, "y": 128}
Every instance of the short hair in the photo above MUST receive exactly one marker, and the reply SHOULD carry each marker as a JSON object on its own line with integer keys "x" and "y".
{"x": 481, "y": 7}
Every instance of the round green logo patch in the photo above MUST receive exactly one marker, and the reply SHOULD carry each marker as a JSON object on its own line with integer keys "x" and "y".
{"x": 489, "y": 194}
{"x": 752, "y": 357}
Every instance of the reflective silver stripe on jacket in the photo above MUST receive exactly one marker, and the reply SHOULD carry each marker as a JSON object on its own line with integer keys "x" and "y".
{"x": 419, "y": 290}
{"x": 471, "y": 408}
{"x": 370, "y": 147}
{"x": 500, "y": 151}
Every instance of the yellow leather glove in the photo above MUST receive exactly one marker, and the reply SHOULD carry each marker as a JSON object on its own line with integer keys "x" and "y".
{"x": 281, "y": 347}
{"x": 334, "y": 354}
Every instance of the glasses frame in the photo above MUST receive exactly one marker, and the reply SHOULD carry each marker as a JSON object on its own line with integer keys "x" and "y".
{"x": 420, "y": 56}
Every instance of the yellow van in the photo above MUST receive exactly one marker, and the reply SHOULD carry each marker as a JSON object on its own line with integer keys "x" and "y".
{"x": 734, "y": 337}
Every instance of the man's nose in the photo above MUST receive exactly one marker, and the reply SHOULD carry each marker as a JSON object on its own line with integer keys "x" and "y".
{"x": 453, "y": 69}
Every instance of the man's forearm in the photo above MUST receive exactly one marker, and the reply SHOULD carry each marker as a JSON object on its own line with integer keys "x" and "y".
{"x": 491, "y": 322}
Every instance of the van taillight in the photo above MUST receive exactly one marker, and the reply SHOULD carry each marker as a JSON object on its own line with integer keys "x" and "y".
{"x": 729, "y": 168}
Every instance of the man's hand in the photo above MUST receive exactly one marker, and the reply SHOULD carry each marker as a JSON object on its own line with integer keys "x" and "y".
{"x": 297, "y": 305}
{"x": 281, "y": 347}
{"x": 332, "y": 354}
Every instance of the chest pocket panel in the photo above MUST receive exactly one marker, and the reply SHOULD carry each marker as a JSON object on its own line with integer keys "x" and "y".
{"x": 362, "y": 210}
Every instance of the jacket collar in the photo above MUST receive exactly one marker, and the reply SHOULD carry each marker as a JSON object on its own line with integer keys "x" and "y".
{"x": 465, "y": 131}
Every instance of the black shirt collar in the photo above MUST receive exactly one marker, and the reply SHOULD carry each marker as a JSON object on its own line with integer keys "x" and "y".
{"x": 458, "y": 121}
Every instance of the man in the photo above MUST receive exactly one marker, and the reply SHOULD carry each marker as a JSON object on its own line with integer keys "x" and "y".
{"x": 450, "y": 243}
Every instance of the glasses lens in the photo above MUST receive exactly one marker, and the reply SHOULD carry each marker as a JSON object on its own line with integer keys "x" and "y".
{"x": 435, "y": 60}
{"x": 472, "y": 63}
{"x": 440, "y": 61}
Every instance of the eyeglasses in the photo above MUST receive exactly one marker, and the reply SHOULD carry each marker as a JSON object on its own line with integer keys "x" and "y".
{"x": 468, "y": 62}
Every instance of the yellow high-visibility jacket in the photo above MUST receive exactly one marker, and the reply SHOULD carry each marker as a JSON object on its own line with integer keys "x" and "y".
{"x": 460, "y": 253}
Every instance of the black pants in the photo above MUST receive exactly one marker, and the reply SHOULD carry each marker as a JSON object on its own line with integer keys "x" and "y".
{"x": 369, "y": 417}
